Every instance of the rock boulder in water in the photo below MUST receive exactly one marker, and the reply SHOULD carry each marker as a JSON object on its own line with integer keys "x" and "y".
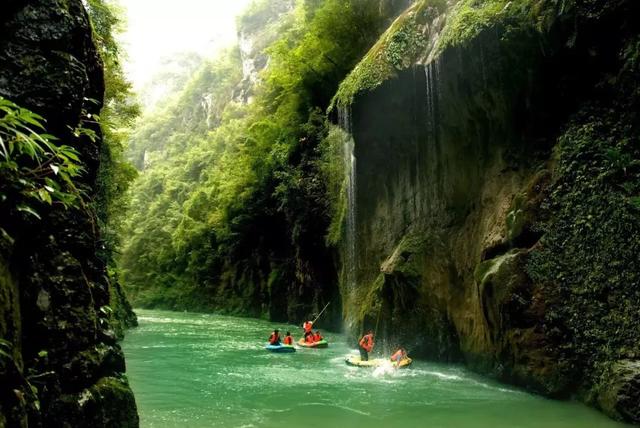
{"x": 619, "y": 391}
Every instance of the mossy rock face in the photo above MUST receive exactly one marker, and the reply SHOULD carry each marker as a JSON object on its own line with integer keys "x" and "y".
{"x": 515, "y": 145}
{"x": 398, "y": 49}
{"x": 107, "y": 403}
{"x": 618, "y": 391}
{"x": 122, "y": 316}
{"x": 49, "y": 64}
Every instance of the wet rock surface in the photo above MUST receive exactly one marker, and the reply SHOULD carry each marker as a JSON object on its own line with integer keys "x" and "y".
{"x": 618, "y": 394}
{"x": 468, "y": 229}
{"x": 60, "y": 332}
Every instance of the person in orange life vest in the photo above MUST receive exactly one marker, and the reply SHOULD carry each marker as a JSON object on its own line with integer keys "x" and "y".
{"x": 274, "y": 339}
{"x": 398, "y": 356}
{"x": 288, "y": 340}
{"x": 307, "y": 327}
{"x": 366, "y": 345}
{"x": 308, "y": 337}
{"x": 317, "y": 337}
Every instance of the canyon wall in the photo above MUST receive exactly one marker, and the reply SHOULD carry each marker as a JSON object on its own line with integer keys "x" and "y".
{"x": 60, "y": 365}
{"x": 494, "y": 187}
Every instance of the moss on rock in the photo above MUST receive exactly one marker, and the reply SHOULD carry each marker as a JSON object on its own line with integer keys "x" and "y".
{"x": 49, "y": 64}
{"x": 526, "y": 162}
{"x": 397, "y": 49}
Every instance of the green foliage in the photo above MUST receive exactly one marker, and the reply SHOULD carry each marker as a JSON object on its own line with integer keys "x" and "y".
{"x": 469, "y": 18}
{"x": 241, "y": 183}
{"x": 397, "y": 49}
{"x": 34, "y": 170}
{"x": 118, "y": 115}
{"x": 404, "y": 45}
{"x": 6, "y": 349}
{"x": 406, "y": 41}
{"x": 332, "y": 169}
{"x": 261, "y": 13}
{"x": 592, "y": 242}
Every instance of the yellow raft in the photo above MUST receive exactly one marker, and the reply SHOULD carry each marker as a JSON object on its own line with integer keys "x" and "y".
{"x": 377, "y": 362}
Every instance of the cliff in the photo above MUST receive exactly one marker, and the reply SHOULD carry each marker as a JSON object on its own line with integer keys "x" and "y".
{"x": 60, "y": 364}
{"x": 230, "y": 212}
{"x": 493, "y": 204}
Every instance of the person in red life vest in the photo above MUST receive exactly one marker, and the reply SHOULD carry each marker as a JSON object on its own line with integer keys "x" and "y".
{"x": 307, "y": 327}
{"x": 398, "y": 356}
{"x": 309, "y": 337}
{"x": 317, "y": 337}
{"x": 288, "y": 340}
{"x": 274, "y": 339}
{"x": 366, "y": 346}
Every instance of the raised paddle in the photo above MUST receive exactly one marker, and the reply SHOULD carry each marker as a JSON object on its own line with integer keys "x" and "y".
{"x": 325, "y": 307}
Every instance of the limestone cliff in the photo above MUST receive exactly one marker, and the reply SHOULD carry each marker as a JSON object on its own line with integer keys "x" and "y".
{"x": 265, "y": 257}
{"x": 494, "y": 193}
{"x": 60, "y": 365}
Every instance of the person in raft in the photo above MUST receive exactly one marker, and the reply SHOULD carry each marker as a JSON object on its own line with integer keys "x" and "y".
{"x": 398, "y": 356}
{"x": 288, "y": 340}
{"x": 366, "y": 345}
{"x": 309, "y": 337}
{"x": 317, "y": 337}
{"x": 274, "y": 339}
{"x": 307, "y": 327}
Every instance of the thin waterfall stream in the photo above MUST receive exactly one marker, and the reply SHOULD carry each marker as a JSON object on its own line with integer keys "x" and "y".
{"x": 350, "y": 254}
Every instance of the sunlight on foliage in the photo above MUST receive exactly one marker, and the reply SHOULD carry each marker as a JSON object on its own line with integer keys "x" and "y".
{"x": 223, "y": 177}
{"x": 34, "y": 170}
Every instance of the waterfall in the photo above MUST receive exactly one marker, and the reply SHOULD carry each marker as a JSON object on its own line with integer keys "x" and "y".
{"x": 344, "y": 121}
{"x": 433, "y": 97}
{"x": 432, "y": 75}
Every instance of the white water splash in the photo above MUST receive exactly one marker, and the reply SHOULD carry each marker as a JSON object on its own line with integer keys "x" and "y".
{"x": 385, "y": 369}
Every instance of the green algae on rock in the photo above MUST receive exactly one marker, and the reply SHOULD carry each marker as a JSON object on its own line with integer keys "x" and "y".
{"x": 54, "y": 287}
{"x": 509, "y": 135}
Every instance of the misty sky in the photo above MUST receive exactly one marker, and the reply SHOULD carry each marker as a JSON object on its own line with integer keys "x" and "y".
{"x": 159, "y": 28}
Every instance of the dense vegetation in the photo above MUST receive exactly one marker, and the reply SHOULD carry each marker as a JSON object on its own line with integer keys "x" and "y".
{"x": 115, "y": 173}
{"x": 60, "y": 182}
{"x": 232, "y": 206}
{"x": 590, "y": 251}
{"x": 35, "y": 170}
{"x": 117, "y": 116}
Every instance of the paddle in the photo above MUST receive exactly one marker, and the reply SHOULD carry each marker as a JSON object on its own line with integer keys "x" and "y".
{"x": 326, "y": 306}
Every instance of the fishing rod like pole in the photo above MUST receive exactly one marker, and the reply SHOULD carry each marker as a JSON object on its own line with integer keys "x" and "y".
{"x": 375, "y": 330}
{"x": 325, "y": 307}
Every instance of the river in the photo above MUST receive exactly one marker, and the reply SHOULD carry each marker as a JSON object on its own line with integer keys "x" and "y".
{"x": 196, "y": 370}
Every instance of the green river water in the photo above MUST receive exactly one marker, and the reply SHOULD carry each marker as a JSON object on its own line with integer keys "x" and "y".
{"x": 195, "y": 370}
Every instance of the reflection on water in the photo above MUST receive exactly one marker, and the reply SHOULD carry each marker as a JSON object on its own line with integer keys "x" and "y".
{"x": 195, "y": 370}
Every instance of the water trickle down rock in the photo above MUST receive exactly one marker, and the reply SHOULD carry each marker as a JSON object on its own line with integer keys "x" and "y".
{"x": 349, "y": 262}
{"x": 447, "y": 203}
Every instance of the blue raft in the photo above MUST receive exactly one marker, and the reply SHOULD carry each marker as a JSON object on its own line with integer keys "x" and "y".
{"x": 280, "y": 348}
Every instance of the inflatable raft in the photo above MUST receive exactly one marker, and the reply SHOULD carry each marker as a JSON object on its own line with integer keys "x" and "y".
{"x": 321, "y": 344}
{"x": 280, "y": 348}
{"x": 376, "y": 362}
